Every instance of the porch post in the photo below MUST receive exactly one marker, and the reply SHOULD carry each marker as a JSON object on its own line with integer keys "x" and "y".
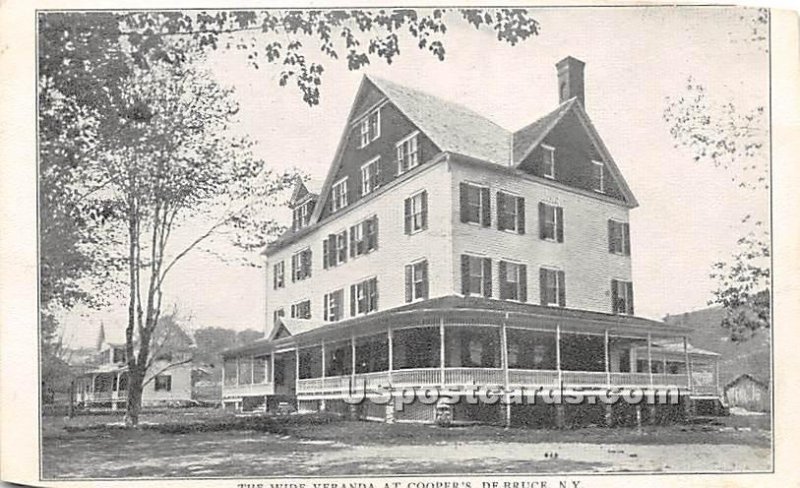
{"x": 237, "y": 370}
{"x": 391, "y": 352}
{"x": 322, "y": 400}
{"x": 353, "y": 359}
{"x": 688, "y": 363}
{"x": 272, "y": 368}
{"x": 607, "y": 359}
{"x": 504, "y": 361}
{"x": 649, "y": 358}
{"x": 558, "y": 352}
{"x": 441, "y": 348}
{"x": 252, "y": 370}
{"x": 664, "y": 359}
{"x": 716, "y": 375}
{"x": 297, "y": 371}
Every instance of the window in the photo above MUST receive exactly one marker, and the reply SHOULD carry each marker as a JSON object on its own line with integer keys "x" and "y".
{"x": 369, "y": 176}
{"x": 163, "y": 382}
{"x": 475, "y": 205}
{"x": 364, "y": 297}
{"x": 598, "y": 177}
{"x": 510, "y": 213}
{"x": 551, "y": 222}
{"x": 552, "y": 287}
{"x": 301, "y": 215}
{"x": 301, "y": 310}
{"x": 276, "y": 315}
{"x": 417, "y": 281}
{"x": 339, "y": 195}
{"x": 416, "y": 213}
{"x": 370, "y": 127}
{"x": 476, "y": 275}
{"x": 513, "y": 281}
{"x": 622, "y": 297}
{"x": 332, "y": 305}
{"x": 407, "y": 154}
{"x": 619, "y": 238}
{"x": 364, "y": 237}
{"x": 548, "y": 161}
{"x": 301, "y": 265}
{"x": 334, "y": 249}
{"x": 118, "y": 355}
{"x": 278, "y": 278}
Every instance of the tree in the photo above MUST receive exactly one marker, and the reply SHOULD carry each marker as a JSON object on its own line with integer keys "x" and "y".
{"x": 149, "y": 130}
{"x": 735, "y": 140}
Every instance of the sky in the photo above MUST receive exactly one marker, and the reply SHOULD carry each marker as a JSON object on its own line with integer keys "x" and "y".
{"x": 689, "y": 214}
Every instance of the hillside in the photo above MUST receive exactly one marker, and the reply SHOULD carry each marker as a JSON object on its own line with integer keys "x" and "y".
{"x": 752, "y": 356}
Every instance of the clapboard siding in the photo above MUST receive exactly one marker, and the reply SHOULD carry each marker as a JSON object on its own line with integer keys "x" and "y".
{"x": 583, "y": 256}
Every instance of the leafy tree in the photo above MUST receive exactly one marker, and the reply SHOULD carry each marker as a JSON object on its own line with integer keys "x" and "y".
{"x": 735, "y": 140}
{"x": 134, "y": 135}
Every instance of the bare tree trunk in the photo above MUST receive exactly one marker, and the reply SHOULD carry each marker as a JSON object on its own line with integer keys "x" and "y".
{"x": 134, "y": 405}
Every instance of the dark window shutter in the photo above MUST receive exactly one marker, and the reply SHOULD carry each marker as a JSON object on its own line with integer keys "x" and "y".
{"x": 353, "y": 240}
{"x": 487, "y": 277}
{"x": 408, "y": 216}
{"x": 325, "y": 307}
{"x": 424, "y": 201}
{"x": 339, "y": 297}
{"x": 611, "y": 239}
{"x": 562, "y": 290}
{"x": 626, "y": 230}
{"x": 560, "y": 226}
{"x": 542, "y": 286}
{"x": 325, "y": 255}
{"x": 374, "y": 285}
{"x": 424, "y": 279}
{"x": 501, "y": 205}
{"x": 332, "y": 251}
{"x": 294, "y": 266}
{"x": 374, "y": 241}
{"x": 520, "y": 215}
{"x": 523, "y": 283}
{"x": 463, "y": 202}
{"x": 308, "y": 263}
{"x": 352, "y": 300}
{"x": 542, "y": 211}
{"x": 465, "y": 274}
{"x": 274, "y": 277}
{"x": 630, "y": 297}
{"x": 501, "y": 273}
{"x": 486, "y": 207}
{"x": 614, "y": 296}
{"x": 409, "y": 284}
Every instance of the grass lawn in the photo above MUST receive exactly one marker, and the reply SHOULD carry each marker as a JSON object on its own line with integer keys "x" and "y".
{"x": 211, "y": 443}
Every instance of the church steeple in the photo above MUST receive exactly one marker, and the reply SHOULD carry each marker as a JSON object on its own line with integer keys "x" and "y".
{"x": 101, "y": 336}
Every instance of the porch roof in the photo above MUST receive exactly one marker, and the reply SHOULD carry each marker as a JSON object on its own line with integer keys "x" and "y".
{"x": 472, "y": 308}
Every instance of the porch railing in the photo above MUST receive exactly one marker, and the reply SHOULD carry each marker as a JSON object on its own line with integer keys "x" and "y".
{"x": 248, "y": 390}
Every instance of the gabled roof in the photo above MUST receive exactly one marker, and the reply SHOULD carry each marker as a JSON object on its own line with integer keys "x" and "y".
{"x": 452, "y": 127}
{"x": 293, "y": 326}
{"x": 527, "y": 138}
{"x": 300, "y": 192}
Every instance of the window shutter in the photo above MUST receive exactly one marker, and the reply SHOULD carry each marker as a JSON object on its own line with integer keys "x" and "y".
{"x": 294, "y": 266}
{"x": 408, "y": 216}
{"x": 487, "y": 277}
{"x": 325, "y": 307}
{"x": 629, "y": 285}
{"x": 274, "y": 277}
{"x": 325, "y": 256}
{"x": 424, "y": 279}
{"x": 614, "y": 296}
{"x": 353, "y": 240}
{"x": 542, "y": 286}
{"x": 339, "y": 297}
{"x": 374, "y": 235}
{"x": 626, "y": 230}
{"x": 465, "y": 274}
{"x": 520, "y": 215}
{"x": 611, "y": 244}
{"x": 307, "y": 256}
{"x": 523, "y": 283}
{"x": 409, "y": 284}
{"x": 424, "y": 200}
{"x": 352, "y": 300}
{"x": 501, "y": 205}
{"x": 501, "y": 273}
{"x": 486, "y": 207}
{"x": 562, "y": 290}
{"x": 463, "y": 202}
{"x": 542, "y": 210}
{"x": 374, "y": 286}
{"x": 332, "y": 261}
{"x": 560, "y": 226}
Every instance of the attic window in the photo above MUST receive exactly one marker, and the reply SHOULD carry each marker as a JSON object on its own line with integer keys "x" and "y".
{"x": 301, "y": 215}
{"x": 407, "y": 153}
{"x": 598, "y": 177}
{"x": 370, "y": 127}
{"x": 339, "y": 192}
{"x": 548, "y": 161}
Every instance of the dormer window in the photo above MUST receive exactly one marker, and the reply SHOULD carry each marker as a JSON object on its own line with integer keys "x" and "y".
{"x": 339, "y": 195}
{"x": 548, "y": 161}
{"x": 369, "y": 176}
{"x": 407, "y": 154}
{"x": 370, "y": 127}
{"x": 598, "y": 176}
{"x": 301, "y": 215}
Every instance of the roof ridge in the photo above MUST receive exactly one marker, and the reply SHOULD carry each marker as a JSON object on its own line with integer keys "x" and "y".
{"x": 560, "y": 107}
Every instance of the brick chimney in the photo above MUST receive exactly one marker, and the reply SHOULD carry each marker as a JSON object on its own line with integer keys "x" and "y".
{"x": 570, "y": 80}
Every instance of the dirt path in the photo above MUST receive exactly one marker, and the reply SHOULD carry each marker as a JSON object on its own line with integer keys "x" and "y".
{"x": 596, "y": 457}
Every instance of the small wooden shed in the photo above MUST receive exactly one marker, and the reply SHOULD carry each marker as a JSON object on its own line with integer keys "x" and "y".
{"x": 749, "y": 393}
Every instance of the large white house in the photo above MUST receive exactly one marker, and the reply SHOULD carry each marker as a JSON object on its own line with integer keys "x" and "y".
{"x": 445, "y": 251}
